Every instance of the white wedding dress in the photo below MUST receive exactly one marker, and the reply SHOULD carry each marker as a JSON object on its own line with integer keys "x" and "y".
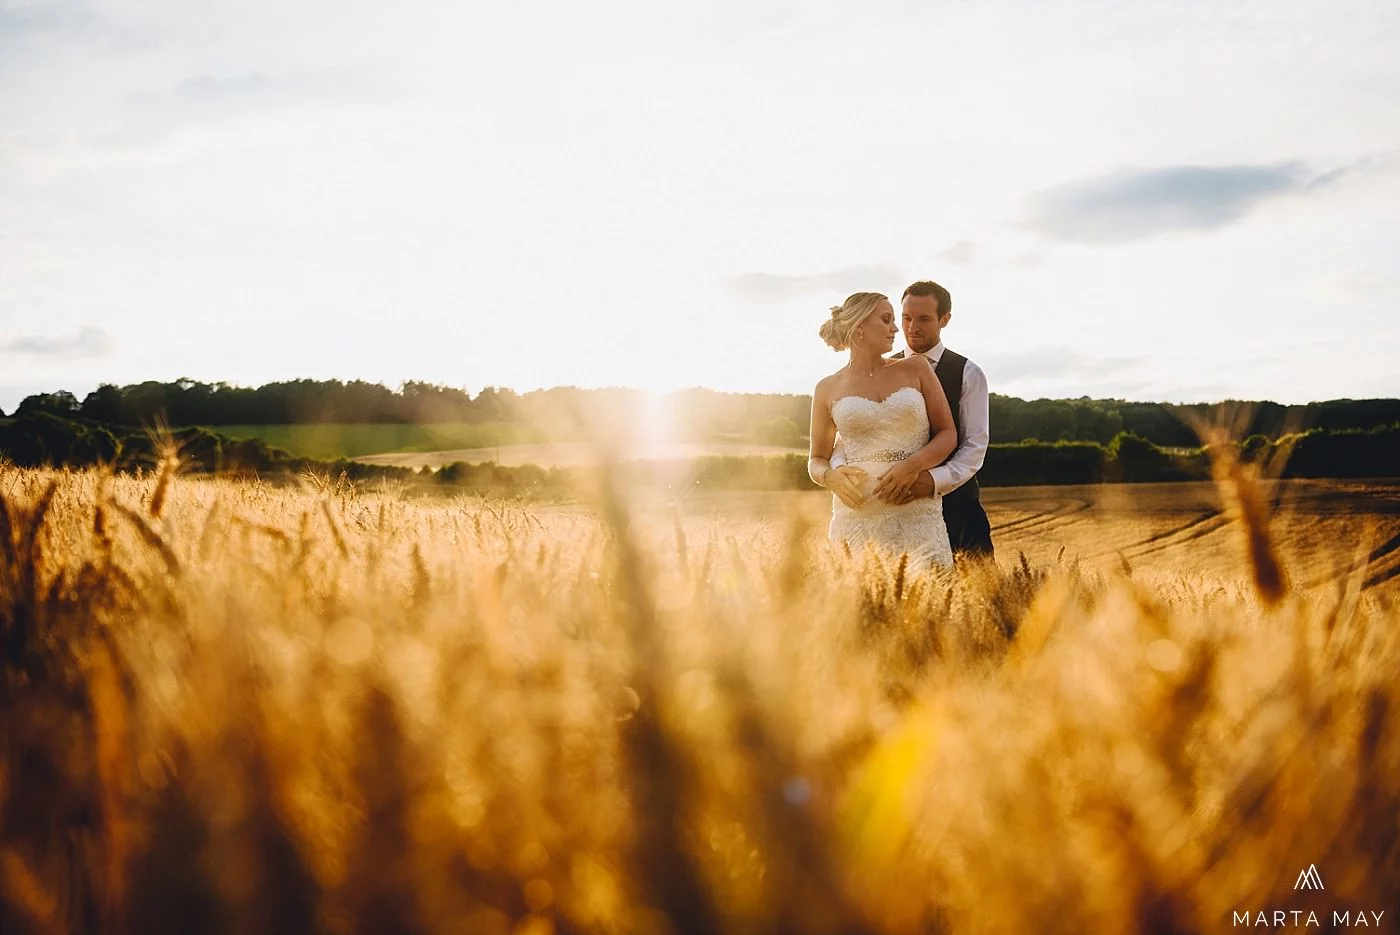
{"x": 875, "y": 435}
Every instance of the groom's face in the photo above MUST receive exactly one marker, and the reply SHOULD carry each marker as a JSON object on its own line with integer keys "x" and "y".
{"x": 922, "y": 322}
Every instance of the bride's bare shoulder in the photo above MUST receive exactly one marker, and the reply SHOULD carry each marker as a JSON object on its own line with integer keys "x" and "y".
{"x": 913, "y": 363}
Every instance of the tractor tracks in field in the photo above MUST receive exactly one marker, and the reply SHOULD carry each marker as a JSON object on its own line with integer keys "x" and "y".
{"x": 1381, "y": 564}
{"x": 1376, "y": 560}
{"x": 1059, "y": 516}
{"x": 1198, "y": 527}
{"x": 1378, "y": 567}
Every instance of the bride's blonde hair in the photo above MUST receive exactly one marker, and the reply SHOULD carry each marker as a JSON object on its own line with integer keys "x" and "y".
{"x": 836, "y": 330}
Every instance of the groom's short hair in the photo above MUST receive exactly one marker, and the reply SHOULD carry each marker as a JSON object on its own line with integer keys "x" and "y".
{"x": 926, "y": 287}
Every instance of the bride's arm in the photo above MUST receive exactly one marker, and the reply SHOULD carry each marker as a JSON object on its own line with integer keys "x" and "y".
{"x": 843, "y": 480}
{"x": 821, "y": 437}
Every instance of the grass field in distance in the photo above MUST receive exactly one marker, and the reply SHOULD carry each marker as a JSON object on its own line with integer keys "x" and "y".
{"x": 334, "y": 440}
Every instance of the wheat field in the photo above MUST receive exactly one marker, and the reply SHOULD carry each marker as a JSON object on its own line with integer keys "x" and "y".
{"x": 234, "y": 707}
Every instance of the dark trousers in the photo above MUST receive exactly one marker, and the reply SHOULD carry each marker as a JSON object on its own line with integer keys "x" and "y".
{"x": 968, "y": 528}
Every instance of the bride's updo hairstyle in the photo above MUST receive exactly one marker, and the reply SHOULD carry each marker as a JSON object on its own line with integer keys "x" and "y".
{"x": 837, "y": 330}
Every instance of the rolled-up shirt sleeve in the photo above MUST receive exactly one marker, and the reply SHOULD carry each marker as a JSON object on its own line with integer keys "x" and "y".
{"x": 974, "y": 413}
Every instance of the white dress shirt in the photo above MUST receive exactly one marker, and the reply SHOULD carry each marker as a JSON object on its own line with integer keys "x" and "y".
{"x": 966, "y": 460}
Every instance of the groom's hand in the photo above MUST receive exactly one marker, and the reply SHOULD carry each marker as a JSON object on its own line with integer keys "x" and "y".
{"x": 923, "y": 487}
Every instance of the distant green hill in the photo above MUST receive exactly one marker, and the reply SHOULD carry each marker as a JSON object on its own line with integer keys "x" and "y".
{"x": 329, "y": 418}
{"x": 36, "y": 439}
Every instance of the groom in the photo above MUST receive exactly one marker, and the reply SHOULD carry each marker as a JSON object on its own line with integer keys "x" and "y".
{"x": 927, "y": 308}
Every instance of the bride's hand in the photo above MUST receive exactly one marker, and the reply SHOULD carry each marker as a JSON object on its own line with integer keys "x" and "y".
{"x": 848, "y": 483}
{"x": 898, "y": 482}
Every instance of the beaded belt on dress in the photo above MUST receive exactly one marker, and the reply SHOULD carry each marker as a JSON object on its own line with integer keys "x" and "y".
{"x": 883, "y": 456}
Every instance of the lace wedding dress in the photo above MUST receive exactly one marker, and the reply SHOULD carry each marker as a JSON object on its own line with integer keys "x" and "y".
{"x": 874, "y": 435}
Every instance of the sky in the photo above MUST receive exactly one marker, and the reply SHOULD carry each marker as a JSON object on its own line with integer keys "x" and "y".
{"x": 1175, "y": 201}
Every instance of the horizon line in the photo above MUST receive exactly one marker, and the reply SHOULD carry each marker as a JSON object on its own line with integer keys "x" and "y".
{"x": 398, "y": 391}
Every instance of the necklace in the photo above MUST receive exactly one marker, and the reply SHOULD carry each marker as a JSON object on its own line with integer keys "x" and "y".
{"x": 851, "y": 367}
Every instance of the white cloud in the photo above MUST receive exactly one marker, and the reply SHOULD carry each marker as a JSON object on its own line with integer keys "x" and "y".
{"x": 961, "y": 252}
{"x": 1134, "y": 205}
{"x": 770, "y": 286}
{"x": 1066, "y": 364}
{"x": 88, "y": 341}
{"x": 1139, "y": 204}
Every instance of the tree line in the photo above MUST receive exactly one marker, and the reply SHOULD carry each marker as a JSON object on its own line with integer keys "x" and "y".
{"x": 37, "y": 439}
{"x": 703, "y": 415}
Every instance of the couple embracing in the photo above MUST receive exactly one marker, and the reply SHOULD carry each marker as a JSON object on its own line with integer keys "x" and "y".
{"x": 899, "y": 440}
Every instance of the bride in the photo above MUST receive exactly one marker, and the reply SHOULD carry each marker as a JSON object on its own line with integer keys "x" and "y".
{"x": 894, "y": 423}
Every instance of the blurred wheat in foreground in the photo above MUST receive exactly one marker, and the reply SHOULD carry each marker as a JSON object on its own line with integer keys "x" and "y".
{"x": 234, "y": 708}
